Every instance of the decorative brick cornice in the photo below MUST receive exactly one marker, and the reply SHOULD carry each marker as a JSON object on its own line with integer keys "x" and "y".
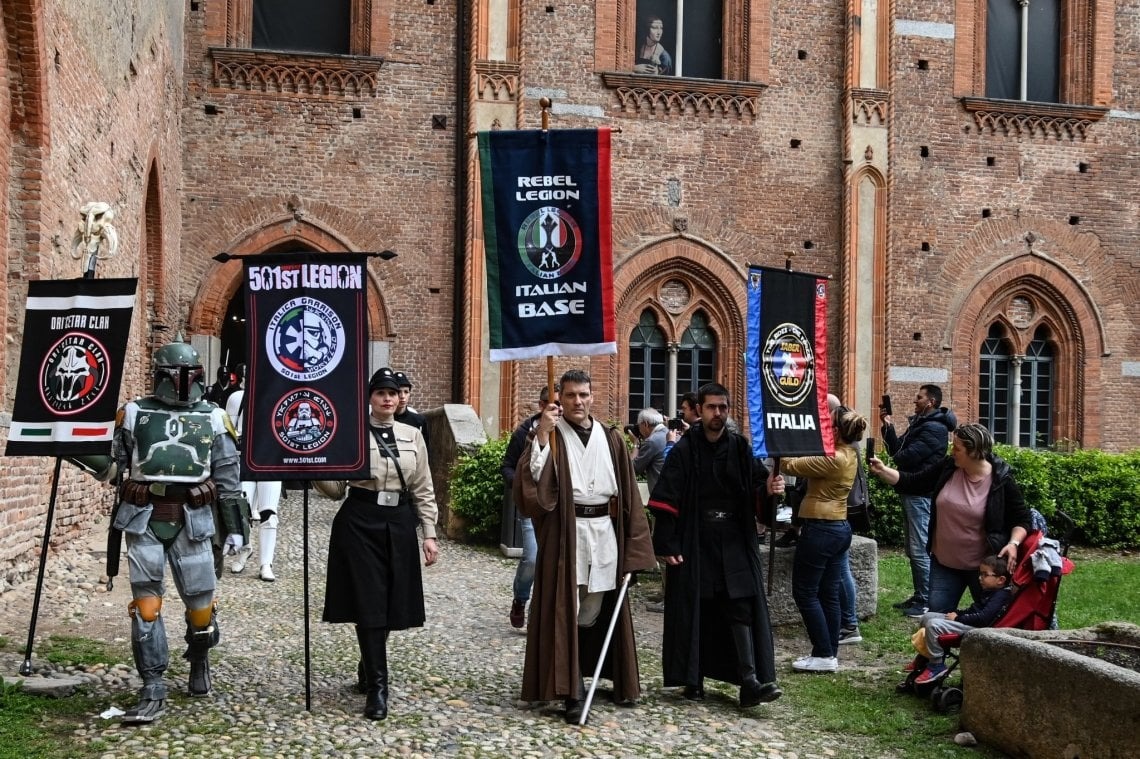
{"x": 274, "y": 72}
{"x": 639, "y": 93}
{"x": 498, "y": 80}
{"x": 1033, "y": 119}
{"x": 869, "y": 106}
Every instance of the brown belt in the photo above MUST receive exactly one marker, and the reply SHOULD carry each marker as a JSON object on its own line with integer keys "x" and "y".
{"x": 596, "y": 510}
{"x": 196, "y": 495}
{"x": 167, "y": 511}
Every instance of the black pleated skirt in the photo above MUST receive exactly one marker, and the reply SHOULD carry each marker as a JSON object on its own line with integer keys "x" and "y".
{"x": 374, "y": 577}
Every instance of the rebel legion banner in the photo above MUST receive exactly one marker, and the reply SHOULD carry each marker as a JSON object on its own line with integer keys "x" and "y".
{"x": 71, "y": 366}
{"x": 786, "y": 364}
{"x": 546, "y": 229}
{"x": 306, "y": 373}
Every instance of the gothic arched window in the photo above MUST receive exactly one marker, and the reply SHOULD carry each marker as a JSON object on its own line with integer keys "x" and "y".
{"x": 993, "y": 384}
{"x": 648, "y": 362}
{"x": 1036, "y": 427}
{"x": 696, "y": 355}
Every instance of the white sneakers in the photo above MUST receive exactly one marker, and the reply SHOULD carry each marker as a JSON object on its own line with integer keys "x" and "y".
{"x": 816, "y": 664}
{"x": 240, "y": 558}
{"x": 267, "y": 573}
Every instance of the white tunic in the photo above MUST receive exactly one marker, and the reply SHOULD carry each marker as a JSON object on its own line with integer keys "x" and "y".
{"x": 594, "y": 482}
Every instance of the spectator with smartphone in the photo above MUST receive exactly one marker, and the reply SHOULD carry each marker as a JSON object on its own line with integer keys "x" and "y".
{"x": 921, "y": 446}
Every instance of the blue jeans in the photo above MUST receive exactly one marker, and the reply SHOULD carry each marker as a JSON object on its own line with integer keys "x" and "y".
{"x": 817, "y": 581}
{"x": 947, "y": 586}
{"x": 524, "y": 575}
{"x": 917, "y": 511}
{"x": 848, "y": 614}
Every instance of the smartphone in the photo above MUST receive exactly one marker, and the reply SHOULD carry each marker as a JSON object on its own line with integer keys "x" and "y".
{"x": 885, "y": 404}
{"x": 870, "y": 448}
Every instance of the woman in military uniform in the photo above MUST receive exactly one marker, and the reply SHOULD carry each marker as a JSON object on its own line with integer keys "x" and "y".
{"x": 374, "y": 578}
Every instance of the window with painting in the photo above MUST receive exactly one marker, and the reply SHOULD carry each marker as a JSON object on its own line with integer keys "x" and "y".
{"x": 303, "y": 26}
{"x": 679, "y": 38}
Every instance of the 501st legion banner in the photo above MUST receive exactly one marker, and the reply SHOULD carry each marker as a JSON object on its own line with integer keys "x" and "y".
{"x": 786, "y": 364}
{"x": 305, "y": 408}
{"x": 546, "y": 229}
{"x": 71, "y": 366}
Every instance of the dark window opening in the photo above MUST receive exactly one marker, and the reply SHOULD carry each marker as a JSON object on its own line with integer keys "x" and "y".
{"x": 1042, "y": 50}
{"x": 302, "y": 26}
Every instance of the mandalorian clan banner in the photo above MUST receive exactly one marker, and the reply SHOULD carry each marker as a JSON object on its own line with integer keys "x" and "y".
{"x": 306, "y": 403}
{"x": 71, "y": 366}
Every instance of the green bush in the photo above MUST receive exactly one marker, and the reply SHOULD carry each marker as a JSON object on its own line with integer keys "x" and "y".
{"x": 476, "y": 487}
{"x": 1099, "y": 491}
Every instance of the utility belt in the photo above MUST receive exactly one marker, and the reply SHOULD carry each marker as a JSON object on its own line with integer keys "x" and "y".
{"x": 591, "y": 510}
{"x": 168, "y": 499}
{"x": 379, "y": 497}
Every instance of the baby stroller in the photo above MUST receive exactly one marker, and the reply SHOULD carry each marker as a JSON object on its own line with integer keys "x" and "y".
{"x": 1032, "y": 608}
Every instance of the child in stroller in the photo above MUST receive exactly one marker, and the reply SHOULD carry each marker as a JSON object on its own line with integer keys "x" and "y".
{"x": 1034, "y": 587}
{"x": 984, "y": 612}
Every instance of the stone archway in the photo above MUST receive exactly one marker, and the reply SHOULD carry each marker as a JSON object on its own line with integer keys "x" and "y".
{"x": 221, "y": 280}
{"x": 676, "y": 276}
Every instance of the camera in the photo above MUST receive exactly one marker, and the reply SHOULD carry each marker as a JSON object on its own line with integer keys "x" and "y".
{"x": 677, "y": 423}
{"x": 631, "y": 429}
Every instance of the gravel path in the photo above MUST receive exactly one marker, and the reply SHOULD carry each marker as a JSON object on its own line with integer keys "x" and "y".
{"x": 455, "y": 682}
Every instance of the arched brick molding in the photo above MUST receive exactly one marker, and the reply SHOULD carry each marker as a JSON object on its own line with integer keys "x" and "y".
{"x": 221, "y": 281}
{"x": 716, "y": 286}
{"x": 862, "y": 292}
{"x": 152, "y": 269}
{"x": 1058, "y": 301}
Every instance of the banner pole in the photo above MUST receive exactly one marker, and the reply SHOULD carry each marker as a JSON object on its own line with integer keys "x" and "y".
{"x": 305, "y": 581}
{"x": 26, "y": 667}
{"x": 772, "y": 527}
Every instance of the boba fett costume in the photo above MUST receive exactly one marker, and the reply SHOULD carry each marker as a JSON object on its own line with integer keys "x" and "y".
{"x": 179, "y": 460}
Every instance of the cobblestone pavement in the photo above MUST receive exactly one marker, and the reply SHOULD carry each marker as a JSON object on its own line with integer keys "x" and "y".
{"x": 455, "y": 682}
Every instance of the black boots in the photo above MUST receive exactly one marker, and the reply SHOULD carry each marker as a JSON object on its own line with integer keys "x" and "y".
{"x": 374, "y": 658}
{"x": 198, "y": 645}
{"x": 752, "y": 692}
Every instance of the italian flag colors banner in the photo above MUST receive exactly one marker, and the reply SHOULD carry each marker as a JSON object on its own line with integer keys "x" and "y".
{"x": 786, "y": 364}
{"x": 71, "y": 366}
{"x": 546, "y": 230}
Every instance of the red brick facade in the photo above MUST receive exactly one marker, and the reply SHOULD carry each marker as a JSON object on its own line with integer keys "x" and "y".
{"x": 861, "y": 143}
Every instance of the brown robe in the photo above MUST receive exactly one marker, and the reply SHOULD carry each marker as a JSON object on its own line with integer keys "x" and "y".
{"x": 558, "y": 652}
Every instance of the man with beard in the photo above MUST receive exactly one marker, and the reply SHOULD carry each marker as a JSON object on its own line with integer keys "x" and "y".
{"x": 716, "y": 614}
{"x": 576, "y": 482}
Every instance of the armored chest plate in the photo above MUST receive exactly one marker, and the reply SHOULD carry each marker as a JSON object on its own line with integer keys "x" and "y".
{"x": 172, "y": 444}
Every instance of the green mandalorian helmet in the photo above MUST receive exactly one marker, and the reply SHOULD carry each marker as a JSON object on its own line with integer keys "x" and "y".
{"x": 179, "y": 378}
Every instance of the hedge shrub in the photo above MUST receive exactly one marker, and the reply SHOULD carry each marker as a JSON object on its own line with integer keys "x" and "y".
{"x": 477, "y": 489}
{"x": 1099, "y": 491}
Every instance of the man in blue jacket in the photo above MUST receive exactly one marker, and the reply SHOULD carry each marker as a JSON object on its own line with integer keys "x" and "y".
{"x": 922, "y": 445}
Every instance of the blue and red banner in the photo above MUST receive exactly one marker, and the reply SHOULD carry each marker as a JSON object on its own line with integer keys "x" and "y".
{"x": 546, "y": 230}
{"x": 786, "y": 364}
{"x": 71, "y": 366}
{"x": 306, "y": 327}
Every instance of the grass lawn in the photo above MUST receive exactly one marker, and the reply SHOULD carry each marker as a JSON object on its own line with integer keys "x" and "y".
{"x": 861, "y": 702}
